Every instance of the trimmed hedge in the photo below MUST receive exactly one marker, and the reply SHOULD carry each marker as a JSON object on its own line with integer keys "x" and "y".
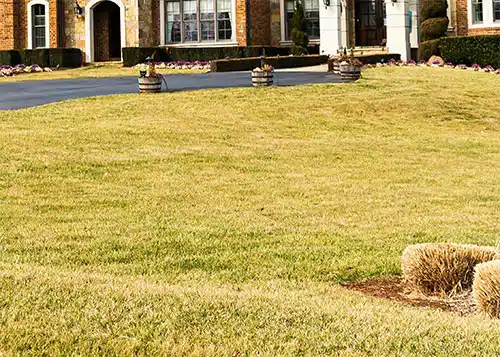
{"x": 247, "y": 64}
{"x": 40, "y": 57}
{"x": 433, "y": 28}
{"x": 468, "y": 50}
{"x": 65, "y": 57}
{"x": 10, "y": 58}
{"x": 428, "y": 49}
{"x": 483, "y": 50}
{"x": 135, "y": 55}
{"x": 44, "y": 57}
{"x": 432, "y": 8}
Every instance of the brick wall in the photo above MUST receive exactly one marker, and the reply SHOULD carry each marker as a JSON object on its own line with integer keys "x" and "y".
{"x": 461, "y": 22}
{"x": 241, "y": 22}
{"x": 485, "y": 31}
{"x": 7, "y": 21}
{"x": 260, "y": 22}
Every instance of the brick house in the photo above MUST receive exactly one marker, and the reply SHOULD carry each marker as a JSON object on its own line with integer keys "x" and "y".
{"x": 100, "y": 28}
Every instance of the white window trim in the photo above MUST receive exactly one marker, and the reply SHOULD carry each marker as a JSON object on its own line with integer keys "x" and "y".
{"x": 284, "y": 41}
{"x": 89, "y": 27}
{"x": 488, "y": 16}
{"x": 215, "y": 43}
{"x": 30, "y": 22}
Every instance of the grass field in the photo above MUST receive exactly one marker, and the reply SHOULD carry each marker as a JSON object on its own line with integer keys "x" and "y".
{"x": 221, "y": 222}
{"x": 101, "y": 71}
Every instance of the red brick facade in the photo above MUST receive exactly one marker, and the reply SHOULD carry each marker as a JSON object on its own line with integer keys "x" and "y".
{"x": 257, "y": 22}
{"x": 14, "y": 24}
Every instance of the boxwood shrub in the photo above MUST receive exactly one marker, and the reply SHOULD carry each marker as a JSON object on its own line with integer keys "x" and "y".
{"x": 428, "y": 49}
{"x": 135, "y": 55}
{"x": 65, "y": 57}
{"x": 483, "y": 50}
{"x": 247, "y": 64}
{"x": 10, "y": 58}
{"x": 44, "y": 57}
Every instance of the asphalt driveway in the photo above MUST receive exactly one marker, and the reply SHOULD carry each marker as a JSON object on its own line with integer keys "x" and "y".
{"x": 27, "y": 94}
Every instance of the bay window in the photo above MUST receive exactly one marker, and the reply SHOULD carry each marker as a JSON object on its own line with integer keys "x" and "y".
{"x": 311, "y": 11}
{"x": 195, "y": 21}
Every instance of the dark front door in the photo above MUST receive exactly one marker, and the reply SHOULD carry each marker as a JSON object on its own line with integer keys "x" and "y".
{"x": 370, "y": 23}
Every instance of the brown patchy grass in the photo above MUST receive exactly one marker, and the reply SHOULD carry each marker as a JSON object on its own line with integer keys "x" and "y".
{"x": 222, "y": 222}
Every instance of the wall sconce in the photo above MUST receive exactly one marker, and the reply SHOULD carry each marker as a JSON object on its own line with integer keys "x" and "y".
{"x": 78, "y": 10}
{"x": 326, "y": 3}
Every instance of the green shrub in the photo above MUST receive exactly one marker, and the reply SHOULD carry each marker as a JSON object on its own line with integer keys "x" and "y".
{"x": 432, "y": 8}
{"x": 433, "y": 28}
{"x": 135, "y": 55}
{"x": 299, "y": 30}
{"x": 65, "y": 57}
{"x": 483, "y": 50}
{"x": 39, "y": 56}
{"x": 428, "y": 49}
{"x": 10, "y": 58}
{"x": 247, "y": 64}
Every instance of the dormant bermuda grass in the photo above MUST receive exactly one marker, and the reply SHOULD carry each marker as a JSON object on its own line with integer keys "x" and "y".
{"x": 443, "y": 268}
{"x": 486, "y": 289}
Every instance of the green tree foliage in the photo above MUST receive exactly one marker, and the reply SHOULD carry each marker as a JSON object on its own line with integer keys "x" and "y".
{"x": 299, "y": 30}
{"x": 434, "y": 22}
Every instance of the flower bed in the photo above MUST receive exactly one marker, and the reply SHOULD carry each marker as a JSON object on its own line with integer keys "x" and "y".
{"x": 178, "y": 65}
{"x": 8, "y": 71}
{"x": 411, "y": 63}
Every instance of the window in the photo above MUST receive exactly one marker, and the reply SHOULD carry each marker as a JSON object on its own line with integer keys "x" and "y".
{"x": 477, "y": 11}
{"x": 38, "y": 24}
{"x": 191, "y": 21}
{"x": 311, "y": 10}
{"x": 496, "y": 10}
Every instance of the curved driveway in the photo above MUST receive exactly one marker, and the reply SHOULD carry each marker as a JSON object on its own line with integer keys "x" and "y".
{"x": 27, "y": 94}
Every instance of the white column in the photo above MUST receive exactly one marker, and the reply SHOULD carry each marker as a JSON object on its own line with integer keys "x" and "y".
{"x": 329, "y": 27}
{"x": 398, "y": 30}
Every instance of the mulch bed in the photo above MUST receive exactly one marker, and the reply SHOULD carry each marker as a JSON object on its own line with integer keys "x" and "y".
{"x": 393, "y": 289}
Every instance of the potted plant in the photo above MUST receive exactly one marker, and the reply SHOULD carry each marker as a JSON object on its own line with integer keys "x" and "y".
{"x": 350, "y": 69}
{"x": 337, "y": 59}
{"x": 263, "y": 76}
{"x": 149, "y": 79}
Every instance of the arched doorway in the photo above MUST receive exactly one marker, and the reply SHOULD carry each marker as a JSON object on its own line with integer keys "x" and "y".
{"x": 107, "y": 45}
{"x": 104, "y": 30}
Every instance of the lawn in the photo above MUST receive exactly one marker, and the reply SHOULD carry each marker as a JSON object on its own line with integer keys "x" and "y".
{"x": 222, "y": 222}
{"x": 100, "y": 71}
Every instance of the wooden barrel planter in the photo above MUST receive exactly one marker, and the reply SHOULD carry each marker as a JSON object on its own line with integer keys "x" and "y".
{"x": 336, "y": 67}
{"x": 149, "y": 84}
{"x": 350, "y": 73}
{"x": 262, "y": 79}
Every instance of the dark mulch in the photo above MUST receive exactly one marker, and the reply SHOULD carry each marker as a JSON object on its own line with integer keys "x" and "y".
{"x": 393, "y": 289}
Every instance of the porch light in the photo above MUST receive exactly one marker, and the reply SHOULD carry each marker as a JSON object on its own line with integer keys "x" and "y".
{"x": 326, "y": 3}
{"x": 78, "y": 9}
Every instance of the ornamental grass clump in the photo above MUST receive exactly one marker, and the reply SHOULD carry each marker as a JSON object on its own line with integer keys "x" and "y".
{"x": 443, "y": 268}
{"x": 486, "y": 288}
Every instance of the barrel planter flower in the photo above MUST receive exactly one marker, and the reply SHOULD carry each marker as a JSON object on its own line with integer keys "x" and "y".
{"x": 350, "y": 70}
{"x": 263, "y": 76}
{"x": 149, "y": 79}
{"x": 149, "y": 84}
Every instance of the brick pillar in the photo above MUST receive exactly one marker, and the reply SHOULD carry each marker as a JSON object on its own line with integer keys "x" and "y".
{"x": 7, "y": 24}
{"x": 461, "y": 24}
{"x": 261, "y": 24}
{"x": 241, "y": 22}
